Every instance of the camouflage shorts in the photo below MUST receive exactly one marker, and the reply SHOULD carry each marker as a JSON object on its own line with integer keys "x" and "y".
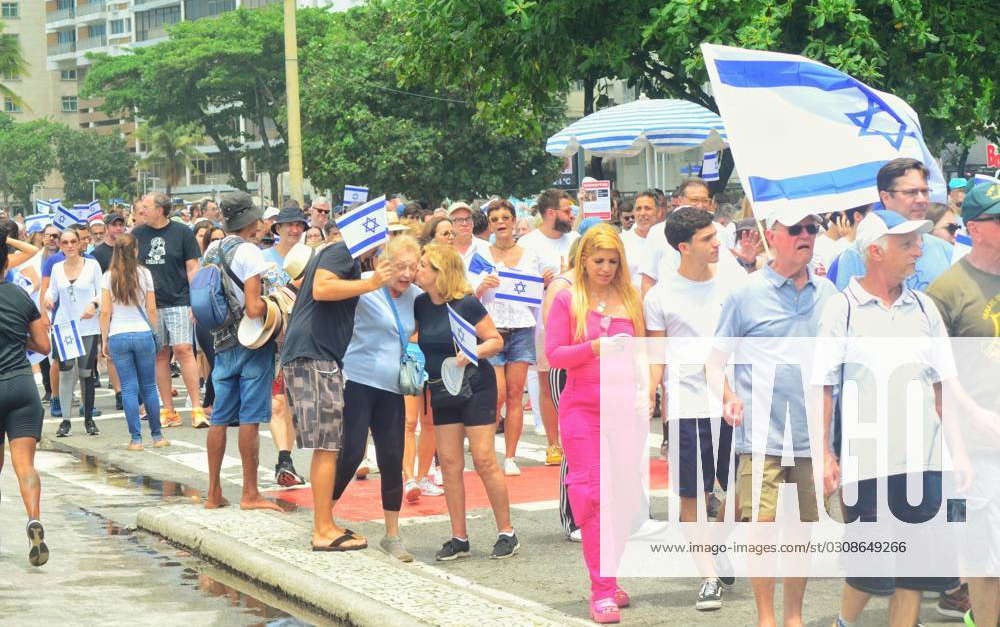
{"x": 315, "y": 392}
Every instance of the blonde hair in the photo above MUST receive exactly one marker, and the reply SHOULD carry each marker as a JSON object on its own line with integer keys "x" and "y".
{"x": 404, "y": 242}
{"x": 603, "y": 237}
{"x": 448, "y": 264}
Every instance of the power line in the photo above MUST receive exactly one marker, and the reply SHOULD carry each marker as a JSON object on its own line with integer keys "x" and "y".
{"x": 410, "y": 93}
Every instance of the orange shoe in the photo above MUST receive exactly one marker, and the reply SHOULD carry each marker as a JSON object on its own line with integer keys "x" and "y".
{"x": 553, "y": 455}
{"x": 198, "y": 418}
{"x": 169, "y": 418}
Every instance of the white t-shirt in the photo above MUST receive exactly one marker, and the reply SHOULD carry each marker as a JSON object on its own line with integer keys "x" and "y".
{"x": 826, "y": 250}
{"x": 661, "y": 259}
{"x": 128, "y": 318}
{"x": 248, "y": 261}
{"x": 553, "y": 254}
{"x": 72, "y": 298}
{"x": 36, "y": 263}
{"x": 684, "y": 308}
{"x": 634, "y": 245}
{"x": 507, "y": 314}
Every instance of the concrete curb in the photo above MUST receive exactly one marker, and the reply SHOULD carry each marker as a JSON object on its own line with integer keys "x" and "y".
{"x": 337, "y": 601}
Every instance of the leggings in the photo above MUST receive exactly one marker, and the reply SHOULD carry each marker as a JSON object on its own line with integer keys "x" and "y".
{"x": 81, "y": 368}
{"x": 205, "y": 342}
{"x": 365, "y": 408}
{"x": 557, "y": 381}
{"x": 44, "y": 367}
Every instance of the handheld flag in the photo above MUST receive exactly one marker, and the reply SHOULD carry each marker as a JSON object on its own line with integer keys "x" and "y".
{"x": 79, "y": 214}
{"x": 37, "y": 222}
{"x": 35, "y": 358}
{"x": 365, "y": 228}
{"x": 710, "y": 167}
{"x": 355, "y": 193}
{"x": 520, "y": 288}
{"x": 963, "y": 245}
{"x": 979, "y": 179}
{"x": 47, "y": 206}
{"x": 464, "y": 335}
{"x": 479, "y": 265}
{"x": 67, "y": 339}
{"x": 807, "y": 136}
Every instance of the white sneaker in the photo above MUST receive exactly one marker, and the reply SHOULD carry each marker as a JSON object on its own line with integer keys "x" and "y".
{"x": 412, "y": 491}
{"x": 438, "y": 479}
{"x": 510, "y": 467}
{"x": 576, "y": 535}
{"x": 427, "y": 488}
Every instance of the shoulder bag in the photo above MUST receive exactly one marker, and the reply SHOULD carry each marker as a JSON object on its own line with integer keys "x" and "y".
{"x": 411, "y": 375}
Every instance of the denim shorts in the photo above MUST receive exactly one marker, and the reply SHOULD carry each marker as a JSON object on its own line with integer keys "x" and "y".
{"x": 174, "y": 325}
{"x": 242, "y": 378}
{"x": 518, "y": 345}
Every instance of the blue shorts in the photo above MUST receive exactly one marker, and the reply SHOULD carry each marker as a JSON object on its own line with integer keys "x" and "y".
{"x": 696, "y": 442}
{"x": 518, "y": 345}
{"x": 242, "y": 380}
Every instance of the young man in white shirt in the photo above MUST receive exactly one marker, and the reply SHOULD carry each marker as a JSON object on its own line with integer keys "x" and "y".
{"x": 688, "y": 304}
{"x": 551, "y": 242}
{"x": 644, "y": 213}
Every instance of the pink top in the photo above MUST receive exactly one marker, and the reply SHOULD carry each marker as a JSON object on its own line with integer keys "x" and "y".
{"x": 565, "y": 351}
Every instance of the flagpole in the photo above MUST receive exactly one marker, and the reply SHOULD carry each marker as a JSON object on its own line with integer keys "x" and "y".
{"x": 292, "y": 98}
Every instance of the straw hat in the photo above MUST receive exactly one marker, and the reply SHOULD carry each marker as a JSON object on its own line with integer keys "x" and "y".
{"x": 284, "y": 298}
{"x": 297, "y": 259}
{"x": 253, "y": 333}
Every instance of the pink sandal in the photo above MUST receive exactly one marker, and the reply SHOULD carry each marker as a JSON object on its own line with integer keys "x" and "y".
{"x": 605, "y": 611}
{"x": 621, "y": 598}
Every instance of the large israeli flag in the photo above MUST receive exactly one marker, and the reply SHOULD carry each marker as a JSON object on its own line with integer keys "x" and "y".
{"x": 522, "y": 288}
{"x": 464, "y": 335}
{"x": 808, "y": 136}
{"x": 365, "y": 228}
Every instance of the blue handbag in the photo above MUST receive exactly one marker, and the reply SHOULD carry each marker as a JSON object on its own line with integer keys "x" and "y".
{"x": 411, "y": 374}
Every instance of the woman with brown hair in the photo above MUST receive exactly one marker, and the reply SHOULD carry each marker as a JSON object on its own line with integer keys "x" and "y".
{"x": 128, "y": 317}
{"x": 601, "y": 302}
{"x": 439, "y": 230}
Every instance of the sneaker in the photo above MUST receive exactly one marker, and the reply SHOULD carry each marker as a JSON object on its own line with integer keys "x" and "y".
{"x": 285, "y": 475}
{"x": 553, "y": 455}
{"x": 38, "y": 554}
{"x": 709, "y": 595}
{"x": 438, "y": 477}
{"x": 169, "y": 418}
{"x": 427, "y": 488}
{"x": 576, "y": 535}
{"x": 198, "y": 418}
{"x": 119, "y": 406}
{"x": 362, "y": 471}
{"x": 64, "y": 429}
{"x": 506, "y": 546}
{"x": 412, "y": 491}
{"x": 91, "y": 427}
{"x": 452, "y": 550}
{"x": 955, "y": 604}
{"x": 510, "y": 467}
{"x": 394, "y": 547}
{"x": 55, "y": 408}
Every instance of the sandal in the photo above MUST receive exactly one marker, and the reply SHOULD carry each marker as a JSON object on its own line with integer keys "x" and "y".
{"x": 337, "y": 545}
{"x": 605, "y": 611}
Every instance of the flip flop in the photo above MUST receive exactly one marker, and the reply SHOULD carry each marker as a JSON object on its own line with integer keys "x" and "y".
{"x": 39, "y": 553}
{"x": 338, "y": 545}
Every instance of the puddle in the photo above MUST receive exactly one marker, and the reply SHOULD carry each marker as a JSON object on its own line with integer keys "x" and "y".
{"x": 170, "y": 491}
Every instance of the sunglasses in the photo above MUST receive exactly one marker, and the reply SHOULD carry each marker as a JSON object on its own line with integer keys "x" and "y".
{"x": 952, "y": 228}
{"x": 795, "y": 231}
{"x": 321, "y": 210}
{"x": 495, "y": 219}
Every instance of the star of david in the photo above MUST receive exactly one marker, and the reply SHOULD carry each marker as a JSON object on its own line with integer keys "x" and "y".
{"x": 371, "y": 225}
{"x": 863, "y": 120}
{"x": 520, "y": 287}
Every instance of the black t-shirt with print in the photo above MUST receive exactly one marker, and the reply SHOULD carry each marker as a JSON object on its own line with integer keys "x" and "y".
{"x": 17, "y": 311}
{"x": 165, "y": 252}
{"x": 322, "y": 329}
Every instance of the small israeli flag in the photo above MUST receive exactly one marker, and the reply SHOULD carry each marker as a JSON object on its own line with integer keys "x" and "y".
{"x": 355, "y": 193}
{"x": 520, "y": 288}
{"x": 464, "y": 335}
{"x": 35, "y": 358}
{"x": 63, "y": 218}
{"x": 365, "y": 228}
{"x": 710, "y": 167}
{"x": 37, "y": 222}
{"x": 67, "y": 340}
{"x": 479, "y": 265}
{"x": 47, "y": 206}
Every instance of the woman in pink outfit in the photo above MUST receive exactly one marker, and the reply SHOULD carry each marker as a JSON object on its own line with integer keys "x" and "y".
{"x": 600, "y": 303}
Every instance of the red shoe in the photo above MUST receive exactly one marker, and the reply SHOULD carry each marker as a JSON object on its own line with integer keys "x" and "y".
{"x": 605, "y": 611}
{"x": 621, "y": 598}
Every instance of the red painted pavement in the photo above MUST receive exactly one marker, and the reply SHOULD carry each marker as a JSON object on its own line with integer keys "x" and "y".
{"x": 363, "y": 501}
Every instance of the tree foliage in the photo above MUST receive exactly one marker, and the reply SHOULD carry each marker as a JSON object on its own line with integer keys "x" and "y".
{"x": 12, "y": 62}
{"x": 28, "y": 157}
{"x": 171, "y": 147}
{"x": 84, "y": 155}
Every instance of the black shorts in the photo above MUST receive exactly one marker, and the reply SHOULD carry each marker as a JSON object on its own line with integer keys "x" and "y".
{"x": 696, "y": 441}
{"x": 480, "y": 410}
{"x": 20, "y": 408}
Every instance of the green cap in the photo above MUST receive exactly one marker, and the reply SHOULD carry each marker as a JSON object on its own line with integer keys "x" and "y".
{"x": 982, "y": 201}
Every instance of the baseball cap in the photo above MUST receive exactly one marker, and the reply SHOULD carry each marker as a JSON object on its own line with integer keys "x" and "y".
{"x": 879, "y": 223}
{"x": 982, "y": 201}
{"x": 458, "y": 206}
{"x": 113, "y": 217}
{"x": 269, "y": 213}
{"x": 789, "y": 216}
{"x": 958, "y": 183}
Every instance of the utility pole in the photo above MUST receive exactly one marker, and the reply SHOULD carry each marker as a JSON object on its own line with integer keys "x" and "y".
{"x": 93, "y": 188}
{"x": 292, "y": 97}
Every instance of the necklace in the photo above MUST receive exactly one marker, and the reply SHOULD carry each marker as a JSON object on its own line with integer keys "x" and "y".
{"x": 602, "y": 303}
{"x": 505, "y": 248}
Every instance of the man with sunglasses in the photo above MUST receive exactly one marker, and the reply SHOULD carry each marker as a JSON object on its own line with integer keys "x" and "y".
{"x": 902, "y": 187}
{"x": 968, "y": 297}
{"x": 319, "y": 212}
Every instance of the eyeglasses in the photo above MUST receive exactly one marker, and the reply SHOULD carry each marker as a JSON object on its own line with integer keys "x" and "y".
{"x": 51, "y": 235}
{"x": 914, "y": 192}
{"x": 321, "y": 210}
{"x": 464, "y": 220}
{"x": 795, "y": 231}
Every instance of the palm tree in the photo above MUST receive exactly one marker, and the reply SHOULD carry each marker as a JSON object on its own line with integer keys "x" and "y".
{"x": 170, "y": 146}
{"x": 12, "y": 63}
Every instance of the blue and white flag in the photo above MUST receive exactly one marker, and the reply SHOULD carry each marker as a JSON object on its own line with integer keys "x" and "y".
{"x": 47, "y": 206}
{"x": 67, "y": 340}
{"x": 35, "y": 358}
{"x": 37, "y": 222}
{"x": 962, "y": 247}
{"x": 464, "y": 335}
{"x": 710, "y": 167}
{"x": 479, "y": 265}
{"x": 365, "y": 228}
{"x": 64, "y": 218}
{"x": 355, "y": 193}
{"x": 520, "y": 288}
{"x": 979, "y": 179}
{"x": 807, "y": 136}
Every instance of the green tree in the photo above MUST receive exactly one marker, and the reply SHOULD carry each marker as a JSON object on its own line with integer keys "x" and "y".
{"x": 169, "y": 146}
{"x": 28, "y": 158}
{"x": 85, "y": 155}
{"x": 12, "y": 62}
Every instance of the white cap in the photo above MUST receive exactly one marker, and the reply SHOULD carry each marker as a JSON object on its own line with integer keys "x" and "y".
{"x": 789, "y": 216}
{"x": 879, "y": 223}
{"x": 269, "y": 213}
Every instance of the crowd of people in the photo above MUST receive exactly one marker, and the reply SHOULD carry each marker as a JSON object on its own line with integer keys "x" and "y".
{"x": 364, "y": 352}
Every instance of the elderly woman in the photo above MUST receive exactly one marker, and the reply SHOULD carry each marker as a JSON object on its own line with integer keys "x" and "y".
{"x": 472, "y": 412}
{"x": 373, "y": 401}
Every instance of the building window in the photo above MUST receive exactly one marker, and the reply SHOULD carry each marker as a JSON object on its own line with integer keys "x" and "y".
{"x": 67, "y": 75}
{"x": 9, "y": 106}
{"x": 195, "y": 9}
{"x": 11, "y": 76}
{"x": 9, "y": 10}
{"x": 152, "y": 24}
{"x": 97, "y": 30}
{"x": 66, "y": 36}
{"x": 69, "y": 104}
{"x": 117, "y": 27}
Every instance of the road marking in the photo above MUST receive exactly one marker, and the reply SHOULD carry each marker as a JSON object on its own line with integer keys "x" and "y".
{"x": 537, "y": 506}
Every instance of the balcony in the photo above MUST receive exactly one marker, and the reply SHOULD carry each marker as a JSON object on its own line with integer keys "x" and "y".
{"x": 65, "y": 48}
{"x": 60, "y": 15}
{"x": 91, "y": 11}
{"x": 91, "y": 42}
{"x": 152, "y": 34}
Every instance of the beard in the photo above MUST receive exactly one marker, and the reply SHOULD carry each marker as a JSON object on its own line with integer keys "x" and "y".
{"x": 562, "y": 226}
